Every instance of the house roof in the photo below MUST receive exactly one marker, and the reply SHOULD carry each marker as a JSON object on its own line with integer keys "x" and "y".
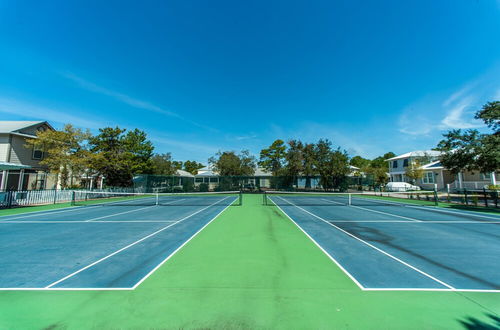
{"x": 7, "y": 126}
{"x": 184, "y": 173}
{"x": 417, "y": 153}
{"x": 11, "y": 166}
{"x": 433, "y": 166}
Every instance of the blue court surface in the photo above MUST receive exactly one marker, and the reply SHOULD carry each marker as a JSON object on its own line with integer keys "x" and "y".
{"x": 404, "y": 247}
{"x": 96, "y": 247}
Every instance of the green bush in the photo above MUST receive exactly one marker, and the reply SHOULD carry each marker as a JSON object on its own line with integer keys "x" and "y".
{"x": 203, "y": 187}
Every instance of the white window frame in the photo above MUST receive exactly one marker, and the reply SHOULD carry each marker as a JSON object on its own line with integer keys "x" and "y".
{"x": 428, "y": 178}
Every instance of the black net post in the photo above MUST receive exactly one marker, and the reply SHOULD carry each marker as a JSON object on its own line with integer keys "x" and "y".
{"x": 466, "y": 198}
{"x": 436, "y": 198}
{"x": 485, "y": 197}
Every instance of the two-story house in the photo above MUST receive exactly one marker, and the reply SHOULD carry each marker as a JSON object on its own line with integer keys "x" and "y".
{"x": 22, "y": 169}
{"x": 435, "y": 175}
{"x": 399, "y": 164}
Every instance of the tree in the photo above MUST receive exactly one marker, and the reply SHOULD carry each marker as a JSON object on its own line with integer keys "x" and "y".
{"x": 294, "y": 163}
{"x": 490, "y": 114}
{"x": 414, "y": 171}
{"x": 65, "y": 151}
{"x": 470, "y": 150}
{"x": 272, "y": 158}
{"x": 228, "y": 163}
{"x": 378, "y": 169}
{"x": 332, "y": 165}
{"x": 192, "y": 166}
{"x": 361, "y": 163}
{"x": 309, "y": 168}
{"x": 162, "y": 164}
{"x": 118, "y": 155}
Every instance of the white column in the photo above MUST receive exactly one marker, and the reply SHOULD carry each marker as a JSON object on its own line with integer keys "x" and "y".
{"x": 442, "y": 178}
{"x": 459, "y": 176}
{"x": 21, "y": 180}
{"x": 5, "y": 173}
{"x": 493, "y": 178}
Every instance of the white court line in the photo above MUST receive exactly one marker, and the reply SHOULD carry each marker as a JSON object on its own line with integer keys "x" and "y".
{"x": 180, "y": 247}
{"x": 376, "y": 248}
{"x": 128, "y": 246}
{"x": 323, "y": 250}
{"x": 419, "y": 222}
{"x": 134, "y": 210}
{"x": 85, "y": 221}
{"x": 49, "y": 212}
{"x": 375, "y": 211}
{"x": 436, "y": 208}
{"x": 119, "y": 213}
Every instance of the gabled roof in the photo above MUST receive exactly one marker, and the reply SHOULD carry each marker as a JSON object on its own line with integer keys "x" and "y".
{"x": 417, "y": 153}
{"x": 432, "y": 166}
{"x": 7, "y": 126}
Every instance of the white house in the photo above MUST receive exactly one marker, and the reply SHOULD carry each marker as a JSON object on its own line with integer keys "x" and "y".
{"x": 435, "y": 175}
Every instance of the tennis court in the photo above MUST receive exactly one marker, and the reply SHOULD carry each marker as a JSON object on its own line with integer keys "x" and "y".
{"x": 109, "y": 241}
{"x": 389, "y": 245}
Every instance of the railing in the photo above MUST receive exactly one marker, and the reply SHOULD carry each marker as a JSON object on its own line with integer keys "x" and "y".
{"x": 471, "y": 185}
{"x": 10, "y": 199}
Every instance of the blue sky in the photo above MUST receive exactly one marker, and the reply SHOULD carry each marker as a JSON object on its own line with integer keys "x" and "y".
{"x": 202, "y": 76}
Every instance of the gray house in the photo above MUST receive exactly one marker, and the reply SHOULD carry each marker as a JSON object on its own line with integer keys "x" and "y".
{"x": 20, "y": 167}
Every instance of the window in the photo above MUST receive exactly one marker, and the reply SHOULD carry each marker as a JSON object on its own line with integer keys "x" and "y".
{"x": 428, "y": 177}
{"x": 485, "y": 176}
{"x": 405, "y": 163}
{"x": 214, "y": 180}
{"x": 394, "y": 164}
{"x": 199, "y": 180}
{"x": 37, "y": 154}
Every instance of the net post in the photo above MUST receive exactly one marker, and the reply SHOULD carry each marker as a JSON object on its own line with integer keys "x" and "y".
{"x": 264, "y": 196}
{"x": 73, "y": 198}
{"x": 157, "y": 197}
{"x": 350, "y": 199}
{"x": 240, "y": 198}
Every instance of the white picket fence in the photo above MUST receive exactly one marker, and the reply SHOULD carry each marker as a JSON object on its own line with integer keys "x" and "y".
{"x": 43, "y": 197}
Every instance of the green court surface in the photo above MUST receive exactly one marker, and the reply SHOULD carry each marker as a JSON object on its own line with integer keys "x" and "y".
{"x": 251, "y": 268}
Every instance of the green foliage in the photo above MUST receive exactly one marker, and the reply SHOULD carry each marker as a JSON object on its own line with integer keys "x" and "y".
{"x": 490, "y": 114}
{"x": 118, "y": 155}
{"x": 203, "y": 187}
{"x": 272, "y": 158}
{"x": 66, "y": 151}
{"x": 162, "y": 164}
{"x": 228, "y": 163}
{"x": 360, "y": 162}
{"x": 192, "y": 166}
{"x": 414, "y": 171}
{"x": 332, "y": 165}
{"x": 471, "y": 150}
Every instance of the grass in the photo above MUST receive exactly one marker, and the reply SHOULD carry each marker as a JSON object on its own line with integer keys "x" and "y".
{"x": 252, "y": 268}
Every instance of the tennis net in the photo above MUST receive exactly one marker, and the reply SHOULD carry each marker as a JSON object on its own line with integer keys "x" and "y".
{"x": 282, "y": 198}
{"x": 82, "y": 198}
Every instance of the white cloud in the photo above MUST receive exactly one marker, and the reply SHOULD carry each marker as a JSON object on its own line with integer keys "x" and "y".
{"x": 435, "y": 113}
{"x": 128, "y": 100}
{"x": 36, "y": 112}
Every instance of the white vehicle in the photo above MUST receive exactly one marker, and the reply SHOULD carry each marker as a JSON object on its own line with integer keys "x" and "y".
{"x": 400, "y": 186}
